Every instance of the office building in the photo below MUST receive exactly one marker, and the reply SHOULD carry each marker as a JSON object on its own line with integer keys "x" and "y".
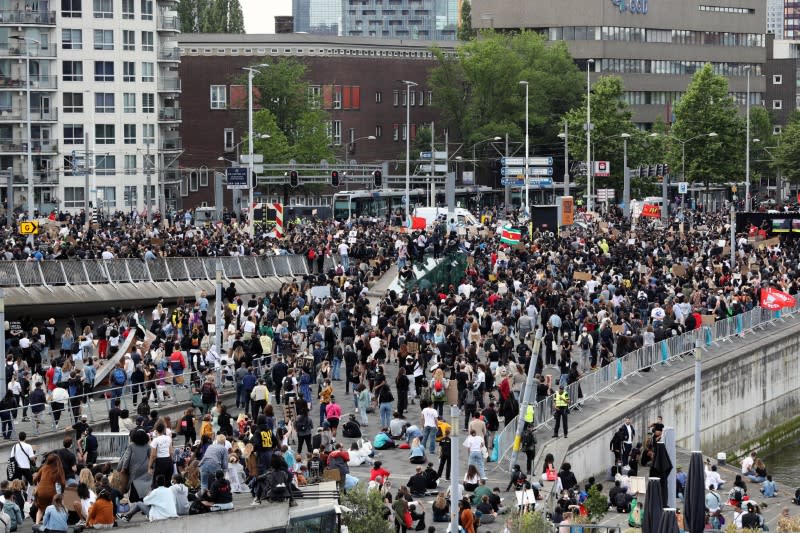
{"x": 775, "y": 18}
{"x": 383, "y": 19}
{"x": 105, "y": 70}
{"x": 355, "y": 79}
{"x": 655, "y": 46}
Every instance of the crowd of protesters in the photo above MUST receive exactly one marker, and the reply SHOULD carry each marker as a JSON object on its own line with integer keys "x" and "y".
{"x": 467, "y": 342}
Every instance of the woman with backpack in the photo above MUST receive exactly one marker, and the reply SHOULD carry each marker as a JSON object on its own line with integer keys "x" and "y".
{"x": 438, "y": 387}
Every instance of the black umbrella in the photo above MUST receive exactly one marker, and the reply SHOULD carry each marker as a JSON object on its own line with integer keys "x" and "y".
{"x": 669, "y": 522}
{"x": 653, "y": 508}
{"x": 694, "y": 503}
{"x": 661, "y": 467}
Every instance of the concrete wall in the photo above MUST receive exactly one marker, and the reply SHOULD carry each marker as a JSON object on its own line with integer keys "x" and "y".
{"x": 749, "y": 387}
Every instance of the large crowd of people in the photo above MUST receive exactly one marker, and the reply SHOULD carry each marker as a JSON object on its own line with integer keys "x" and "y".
{"x": 347, "y": 378}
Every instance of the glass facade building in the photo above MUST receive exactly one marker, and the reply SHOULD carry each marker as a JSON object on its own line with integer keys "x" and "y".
{"x": 320, "y": 17}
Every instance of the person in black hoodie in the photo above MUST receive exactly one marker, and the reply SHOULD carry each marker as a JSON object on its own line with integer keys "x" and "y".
{"x": 219, "y": 495}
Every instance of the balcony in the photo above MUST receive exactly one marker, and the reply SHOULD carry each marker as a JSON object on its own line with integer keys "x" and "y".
{"x": 14, "y": 51}
{"x": 13, "y": 17}
{"x": 20, "y": 146}
{"x": 170, "y": 54}
{"x": 169, "y": 23}
{"x": 169, "y": 85}
{"x": 38, "y": 83}
{"x": 37, "y": 115}
{"x": 171, "y": 145}
{"x": 169, "y": 114}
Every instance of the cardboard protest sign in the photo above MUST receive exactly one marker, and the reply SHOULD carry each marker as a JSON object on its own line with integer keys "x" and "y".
{"x": 581, "y": 276}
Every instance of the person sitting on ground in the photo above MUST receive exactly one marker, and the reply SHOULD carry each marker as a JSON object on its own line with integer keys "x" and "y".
{"x": 383, "y": 441}
{"x": 518, "y": 479}
{"x": 488, "y": 514}
{"x": 418, "y": 483}
{"x": 481, "y": 491}
{"x": 417, "y": 452}
{"x": 397, "y": 426}
{"x": 441, "y": 508}
{"x": 181, "y": 492}
{"x": 431, "y": 476}
{"x": 768, "y": 487}
{"x": 101, "y": 513}
{"x": 471, "y": 478}
{"x": 12, "y": 509}
{"x": 219, "y": 496}
{"x": 713, "y": 478}
{"x": 713, "y": 500}
{"x": 158, "y": 505}
{"x": 566, "y": 476}
{"x": 378, "y": 470}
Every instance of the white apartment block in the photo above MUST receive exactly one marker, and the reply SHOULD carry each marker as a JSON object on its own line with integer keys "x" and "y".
{"x": 105, "y": 71}
{"x": 775, "y": 18}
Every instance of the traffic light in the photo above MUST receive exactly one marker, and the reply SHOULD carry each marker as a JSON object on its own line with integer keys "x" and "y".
{"x": 377, "y": 179}
{"x": 651, "y": 171}
{"x": 666, "y": 169}
{"x": 659, "y": 170}
{"x": 334, "y": 178}
{"x": 294, "y": 180}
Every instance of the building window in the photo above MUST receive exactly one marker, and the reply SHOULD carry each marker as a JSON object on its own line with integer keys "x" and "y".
{"x": 148, "y": 71}
{"x": 413, "y": 95}
{"x": 148, "y": 103}
{"x": 204, "y": 176}
{"x": 73, "y": 102}
{"x": 72, "y": 70}
{"x": 103, "y": 39}
{"x": 378, "y": 131}
{"x": 337, "y": 97}
{"x": 128, "y": 40}
{"x": 149, "y": 133}
{"x": 129, "y": 103}
{"x": 104, "y": 134}
{"x": 109, "y": 196}
{"x": 103, "y": 71}
{"x": 71, "y": 39}
{"x": 73, "y": 197}
{"x": 194, "y": 181}
{"x": 396, "y": 98}
{"x": 404, "y": 132}
{"x": 73, "y": 133}
{"x": 130, "y": 165}
{"x": 103, "y": 102}
{"x": 314, "y": 96}
{"x": 130, "y": 195}
{"x": 430, "y": 97}
{"x": 103, "y": 9}
{"x": 378, "y": 97}
{"x": 105, "y": 165}
{"x": 147, "y": 41}
{"x": 777, "y": 130}
{"x": 129, "y": 133}
{"x": 395, "y": 132}
{"x": 335, "y": 131}
{"x": 405, "y": 99}
{"x": 147, "y": 9}
{"x": 227, "y": 140}
{"x": 422, "y": 98}
{"x": 71, "y": 8}
{"x": 127, "y": 9}
{"x": 153, "y": 198}
{"x": 129, "y": 71}
{"x": 777, "y": 79}
{"x": 777, "y": 104}
{"x": 219, "y": 99}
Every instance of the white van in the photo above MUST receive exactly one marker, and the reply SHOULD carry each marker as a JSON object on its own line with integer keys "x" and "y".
{"x": 463, "y": 218}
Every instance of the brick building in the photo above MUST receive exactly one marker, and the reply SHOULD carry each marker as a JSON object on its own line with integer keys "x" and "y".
{"x": 356, "y": 79}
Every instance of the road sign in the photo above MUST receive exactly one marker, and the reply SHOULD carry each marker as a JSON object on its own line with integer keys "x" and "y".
{"x": 540, "y": 182}
{"x": 439, "y": 168}
{"x": 532, "y": 161}
{"x": 605, "y": 195}
{"x": 257, "y": 158}
{"x": 532, "y": 171}
{"x": 602, "y": 169}
{"x": 683, "y": 187}
{"x": 512, "y": 182}
{"x": 30, "y": 227}
{"x": 237, "y": 178}
{"x": 428, "y": 154}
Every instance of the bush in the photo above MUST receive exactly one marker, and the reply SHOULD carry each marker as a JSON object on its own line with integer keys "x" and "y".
{"x": 366, "y": 512}
{"x": 596, "y": 504}
{"x": 530, "y": 522}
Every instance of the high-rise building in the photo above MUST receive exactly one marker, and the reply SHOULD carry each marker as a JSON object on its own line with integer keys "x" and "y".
{"x": 105, "y": 71}
{"x": 775, "y": 18}
{"x": 791, "y": 20}
{"x": 387, "y": 19}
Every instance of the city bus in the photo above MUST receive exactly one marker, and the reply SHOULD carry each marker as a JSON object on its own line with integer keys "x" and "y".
{"x": 378, "y": 203}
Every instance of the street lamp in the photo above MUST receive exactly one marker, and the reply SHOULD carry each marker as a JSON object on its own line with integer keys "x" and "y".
{"x": 474, "y": 157}
{"x": 28, "y": 42}
{"x": 409, "y": 84}
{"x": 626, "y": 177}
{"x": 251, "y": 71}
{"x": 747, "y": 149}
{"x": 589, "y": 203}
{"x": 527, "y": 152}
{"x": 351, "y": 143}
{"x": 683, "y": 153}
{"x": 565, "y": 135}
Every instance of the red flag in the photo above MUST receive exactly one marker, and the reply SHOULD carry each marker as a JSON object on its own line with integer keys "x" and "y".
{"x": 651, "y": 210}
{"x": 774, "y": 300}
{"x": 418, "y": 223}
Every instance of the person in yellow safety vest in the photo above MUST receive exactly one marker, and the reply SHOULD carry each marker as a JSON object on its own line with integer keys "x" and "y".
{"x": 603, "y": 246}
{"x": 561, "y": 403}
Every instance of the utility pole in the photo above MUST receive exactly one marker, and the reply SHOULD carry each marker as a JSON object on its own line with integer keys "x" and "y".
{"x": 86, "y": 169}
{"x": 566, "y": 158}
{"x": 3, "y": 336}
{"x": 218, "y": 307}
{"x": 433, "y": 167}
{"x": 10, "y": 199}
{"x": 148, "y": 171}
{"x": 162, "y": 200}
{"x": 455, "y": 475}
{"x": 507, "y": 199}
{"x": 526, "y": 398}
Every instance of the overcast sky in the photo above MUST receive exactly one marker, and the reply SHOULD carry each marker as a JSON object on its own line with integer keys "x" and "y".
{"x": 259, "y": 15}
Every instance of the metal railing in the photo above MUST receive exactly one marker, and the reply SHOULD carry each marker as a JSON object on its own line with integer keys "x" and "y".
{"x": 27, "y": 16}
{"x": 53, "y": 273}
{"x": 665, "y": 352}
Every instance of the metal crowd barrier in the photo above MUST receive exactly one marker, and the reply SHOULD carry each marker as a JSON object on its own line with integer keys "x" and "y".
{"x": 665, "y": 352}
{"x": 54, "y": 273}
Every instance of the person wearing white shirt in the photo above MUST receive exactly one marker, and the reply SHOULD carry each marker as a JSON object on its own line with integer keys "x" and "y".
{"x": 475, "y": 445}
{"x": 25, "y": 456}
{"x": 343, "y": 251}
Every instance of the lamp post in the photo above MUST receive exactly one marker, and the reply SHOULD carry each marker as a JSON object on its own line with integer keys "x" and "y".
{"x": 28, "y": 41}
{"x": 474, "y": 157}
{"x": 589, "y": 203}
{"x": 349, "y": 145}
{"x": 527, "y": 152}
{"x": 626, "y": 177}
{"x": 565, "y": 135}
{"x": 409, "y": 84}
{"x": 251, "y": 71}
{"x": 747, "y": 148}
{"x": 218, "y": 305}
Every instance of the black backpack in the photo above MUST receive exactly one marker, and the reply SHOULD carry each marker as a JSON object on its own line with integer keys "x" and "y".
{"x": 585, "y": 342}
{"x": 351, "y": 429}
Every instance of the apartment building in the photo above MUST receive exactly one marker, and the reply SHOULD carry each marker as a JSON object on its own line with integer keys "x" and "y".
{"x": 103, "y": 87}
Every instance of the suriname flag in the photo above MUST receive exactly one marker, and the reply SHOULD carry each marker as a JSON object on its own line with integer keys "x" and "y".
{"x": 510, "y": 235}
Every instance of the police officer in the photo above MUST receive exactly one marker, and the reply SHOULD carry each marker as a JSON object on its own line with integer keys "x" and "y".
{"x": 561, "y": 403}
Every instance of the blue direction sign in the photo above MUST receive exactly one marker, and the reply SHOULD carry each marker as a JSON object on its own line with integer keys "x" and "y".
{"x": 512, "y": 182}
{"x": 540, "y": 182}
{"x": 532, "y": 161}
{"x": 237, "y": 178}
{"x": 532, "y": 171}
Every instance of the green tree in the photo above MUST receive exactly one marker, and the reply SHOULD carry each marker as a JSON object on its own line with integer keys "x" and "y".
{"x": 596, "y": 504}
{"x": 530, "y": 522}
{"x": 787, "y": 153}
{"x": 465, "y": 30}
{"x": 762, "y": 141}
{"x": 705, "y": 108}
{"x": 478, "y": 93}
{"x": 365, "y": 513}
{"x": 211, "y": 16}
{"x": 611, "y": 118}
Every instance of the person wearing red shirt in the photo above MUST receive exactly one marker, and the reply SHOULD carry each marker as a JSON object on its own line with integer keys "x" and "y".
{"x": 378, "y": 470}
{"x": 49, "y": 375}
{"x": 504, "y": 388}
{"x": 177, "y": 363}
